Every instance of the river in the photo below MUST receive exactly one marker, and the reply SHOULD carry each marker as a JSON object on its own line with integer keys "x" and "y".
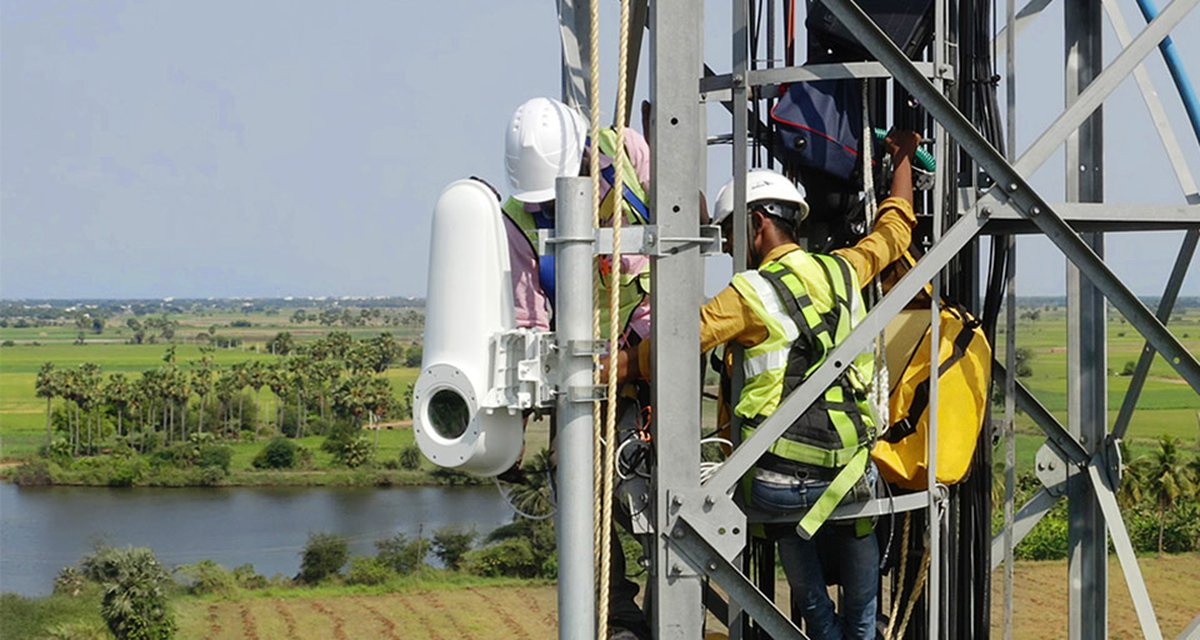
{"x": 43, "y": 529}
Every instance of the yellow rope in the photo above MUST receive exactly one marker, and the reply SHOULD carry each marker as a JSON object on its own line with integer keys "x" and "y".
{"x": 601, "y": 532}
{"x": 916, "y": 592}
{"x": 897, "y": 596}
{"x": 614, "y": 308}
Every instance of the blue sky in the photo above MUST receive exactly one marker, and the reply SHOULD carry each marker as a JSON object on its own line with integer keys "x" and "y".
{"x": 273, "y": 148}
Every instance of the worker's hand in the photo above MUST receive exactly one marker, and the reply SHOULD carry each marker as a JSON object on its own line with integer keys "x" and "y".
{"x": 626, "y": 366}
{"x": 902, "y": 144}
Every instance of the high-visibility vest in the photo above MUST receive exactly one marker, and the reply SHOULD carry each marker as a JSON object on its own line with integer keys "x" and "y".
{"x": 809, "y": 303}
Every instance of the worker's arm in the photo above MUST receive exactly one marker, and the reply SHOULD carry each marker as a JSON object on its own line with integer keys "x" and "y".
{"x": 893, "y": 230}
{"x": 724, "y": 318}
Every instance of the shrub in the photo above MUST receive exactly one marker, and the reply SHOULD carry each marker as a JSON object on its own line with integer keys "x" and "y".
{"x": 450, "y": 543}
{"x": 324, "y": 555}
{"x": 1047, "y": 541}
{"x": 410, "y": 457}
{"x": 279, "y": 453}
{"x": 7, "y": 343}
{"x": 78, "y": 631}
{"x": 1129, "y": 368}
{"x": 513, "y": 557}
{"x": 207, "y": 577}
{"x": 247, "y": 578}
{"x": 69, "y": 581}
{"x": 368, "y": 571}
{"x": 402, "y": 555}
{"x": 35, "y": 473}
{"x": 215, "y": 455}
{"x": 354, "y": 453}
{"x": 134, "y": 605}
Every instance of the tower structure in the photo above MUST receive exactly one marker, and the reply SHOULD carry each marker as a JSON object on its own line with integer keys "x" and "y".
{"x": 700, "y": 538}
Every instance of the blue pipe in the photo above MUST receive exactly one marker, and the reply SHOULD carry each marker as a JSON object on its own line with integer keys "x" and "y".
{"x": 1171, "y": 56}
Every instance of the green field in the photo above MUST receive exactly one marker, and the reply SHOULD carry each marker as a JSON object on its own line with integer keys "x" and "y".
{"x": 1167, "y": 405}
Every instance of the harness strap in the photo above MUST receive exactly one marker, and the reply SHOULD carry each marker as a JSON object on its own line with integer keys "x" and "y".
{"x": 832, "y": 497}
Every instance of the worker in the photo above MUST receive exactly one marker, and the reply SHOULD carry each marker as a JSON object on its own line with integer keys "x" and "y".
{"x": 546, "y": 140}
{"x": 788, "y": 315}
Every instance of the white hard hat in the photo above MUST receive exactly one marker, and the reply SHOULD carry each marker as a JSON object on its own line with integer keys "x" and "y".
{"x": 544, "y": 142}
{"x": 764, "y": 185}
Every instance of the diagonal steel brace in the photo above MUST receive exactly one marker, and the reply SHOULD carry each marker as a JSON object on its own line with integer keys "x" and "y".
{"x": 1014, "y": 189}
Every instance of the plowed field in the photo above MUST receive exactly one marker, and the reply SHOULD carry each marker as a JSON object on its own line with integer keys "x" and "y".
{"x": 529, "y": 612}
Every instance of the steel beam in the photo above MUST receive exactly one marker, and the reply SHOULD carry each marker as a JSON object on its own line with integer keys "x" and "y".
{"x": 1105, "y": 492}
{"x": 711, "y": 85}
{"x": 1026, "y": 519}
{"x": 1179, "y": 215}
{"x": 677, "y": 137}
{"x": 1103, "y": 85}
{"x": 1023, "y": 19}
{"x": 1186, "y": 252}
{"x": 1056, "y": 433}
{"x": 740, "y": 589}
{"x": 1158, "y": 115}
{"x": 1014, "y": 190}
{"x": 574, "y": 25}
{"x": 1087, "y": 354}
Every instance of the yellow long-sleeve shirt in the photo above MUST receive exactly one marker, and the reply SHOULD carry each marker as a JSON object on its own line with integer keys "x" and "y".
{"x": 727, "y": 318}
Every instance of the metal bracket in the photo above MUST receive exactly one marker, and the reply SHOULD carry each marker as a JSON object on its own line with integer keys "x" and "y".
{"x": 587, "y": 348}
{"x": 714, "y": 517}
{"x": 524, "y": 365}
{"x": 638, "y": 240}
{"x": 587, "y": 393}
{"x": 1052, "y": 469}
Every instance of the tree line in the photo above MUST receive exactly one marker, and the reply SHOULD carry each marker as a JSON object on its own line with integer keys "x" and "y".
{"x": 333, "y": 378}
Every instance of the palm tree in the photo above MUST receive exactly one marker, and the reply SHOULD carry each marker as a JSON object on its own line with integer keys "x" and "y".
{"x": 256, "y": 377}
{"x": 1168, "y": 480}
{"x": 48, "y": 386}
{"x": 118, "y": 394}
{"x": 88, "y": 396}
{"x": 202, "y": 382}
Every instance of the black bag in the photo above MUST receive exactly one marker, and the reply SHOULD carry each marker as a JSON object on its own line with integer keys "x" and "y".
{"x": 819, "y": 126}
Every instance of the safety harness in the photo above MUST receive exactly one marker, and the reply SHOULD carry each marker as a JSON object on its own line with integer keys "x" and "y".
{"x": 809, "y": 303}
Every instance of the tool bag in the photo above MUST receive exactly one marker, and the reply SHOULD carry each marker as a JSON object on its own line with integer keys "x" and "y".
{"x": 819, "y": 126}
{"x": 964, "y": 379}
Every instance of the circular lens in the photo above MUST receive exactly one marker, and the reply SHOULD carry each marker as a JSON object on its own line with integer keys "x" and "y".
{"x": 448, "y": 414}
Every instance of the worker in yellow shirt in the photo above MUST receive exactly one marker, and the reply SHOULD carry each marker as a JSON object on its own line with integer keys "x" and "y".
{"x": 788, "y": 314}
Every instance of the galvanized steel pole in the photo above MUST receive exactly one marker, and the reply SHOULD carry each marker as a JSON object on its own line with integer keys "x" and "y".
{"x": 574, "y": 241}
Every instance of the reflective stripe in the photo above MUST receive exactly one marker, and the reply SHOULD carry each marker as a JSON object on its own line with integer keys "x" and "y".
{"x": 771, "y": 303}
{"x": 765, "y": 362}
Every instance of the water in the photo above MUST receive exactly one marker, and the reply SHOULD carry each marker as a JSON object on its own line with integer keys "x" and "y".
{"x": 46, "y": 528}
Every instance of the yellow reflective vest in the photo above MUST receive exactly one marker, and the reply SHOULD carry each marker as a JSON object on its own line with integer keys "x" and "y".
{"x": 809, "y": 303}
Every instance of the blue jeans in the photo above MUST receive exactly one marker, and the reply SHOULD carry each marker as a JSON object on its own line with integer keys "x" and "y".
{"x": 835, "y": 549}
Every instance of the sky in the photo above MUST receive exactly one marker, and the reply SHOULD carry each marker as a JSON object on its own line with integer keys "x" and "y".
{"x": 273, "y": 148}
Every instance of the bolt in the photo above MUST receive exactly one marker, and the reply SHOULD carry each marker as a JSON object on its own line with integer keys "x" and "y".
{"x": 676, "y": 502}
{"x": 1035, "y": 211}
{"x": 986, "y": 212}
{"x": 712, "y": 565}
{"x": 708, "y": 501}
{"x": 1051, "y": 466}
{"x": 738, "y": 80}
{"x": 1012, "y": 186}
{"x": 677, "y": 533}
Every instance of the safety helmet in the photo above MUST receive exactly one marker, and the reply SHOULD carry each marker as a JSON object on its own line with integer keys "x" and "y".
{"x": 769, "y": 189}
{"x": 544, "y": 142}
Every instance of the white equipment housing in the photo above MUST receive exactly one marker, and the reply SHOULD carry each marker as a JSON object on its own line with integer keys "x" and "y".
{"x": 458, "y": 422}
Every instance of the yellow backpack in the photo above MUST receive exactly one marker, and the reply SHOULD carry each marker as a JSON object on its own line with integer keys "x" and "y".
{"x": 964, "y": 379}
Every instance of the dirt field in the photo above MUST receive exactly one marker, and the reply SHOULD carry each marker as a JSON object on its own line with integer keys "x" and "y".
{"x": 484, "y": 613}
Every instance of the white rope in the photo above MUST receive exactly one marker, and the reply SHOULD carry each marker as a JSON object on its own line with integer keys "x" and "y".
{"x": 880, "y": 391}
